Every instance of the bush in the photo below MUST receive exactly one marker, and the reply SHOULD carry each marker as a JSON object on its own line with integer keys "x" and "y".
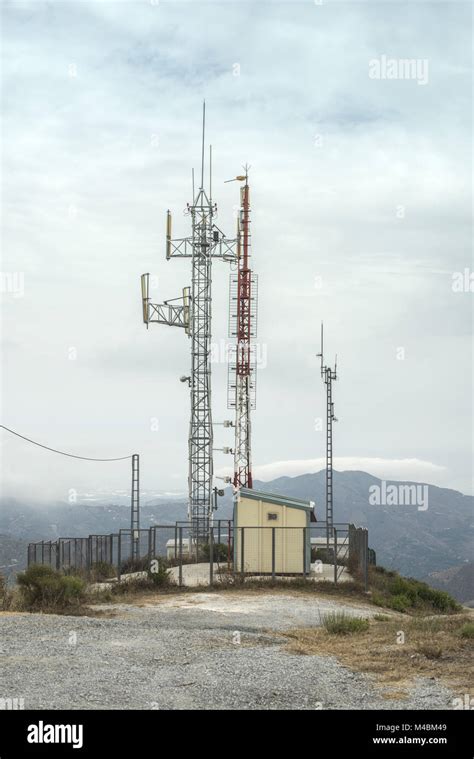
{"x": 227, "y": 578}
{"x": 159, "y": 573}
{"x": 400, "y": 602}
{"x": 378, "y": 599}
{"x": 43, "y": 588}
{"x": 430, "y": 651}
{"x": 402, "y": 593}
{"x": 219, "y": 552}
{"x": 325, "y": 555}
{"x": 102, "y": 570}
{"x": 400, "y": 586}
{"x": 6, "y": 597}
{"x": 134, "y": 565}
{"x": 467, "y": 630}
{"x": 340, "y": 623}
{"x": 438, "y": 599}
{"x": 379, "y": 570}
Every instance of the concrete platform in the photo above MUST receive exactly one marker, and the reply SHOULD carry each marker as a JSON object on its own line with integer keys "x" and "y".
{"x": 198, "y": 574}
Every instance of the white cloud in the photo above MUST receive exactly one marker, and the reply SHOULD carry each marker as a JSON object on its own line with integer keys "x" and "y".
{"x": 86, "y": 142}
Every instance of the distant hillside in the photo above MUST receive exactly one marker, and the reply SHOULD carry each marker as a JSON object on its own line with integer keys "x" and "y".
{"x": 458, "y": 581}
{"x": 12, "y": 555}
{"x": 414, "y": 542}
{"x": 47, "y": 522}
{"x": 417, "y": 543}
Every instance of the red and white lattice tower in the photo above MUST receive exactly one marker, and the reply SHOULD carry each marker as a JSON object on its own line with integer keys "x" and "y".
{"x": 243, "y": 326}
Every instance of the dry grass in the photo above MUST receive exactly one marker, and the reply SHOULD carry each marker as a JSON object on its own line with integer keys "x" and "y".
{"x": 433, "y": 647}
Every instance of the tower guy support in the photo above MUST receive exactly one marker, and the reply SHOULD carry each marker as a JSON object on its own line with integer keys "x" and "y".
{"x": 193, "y": 313}
{"x": 328, "y": 375}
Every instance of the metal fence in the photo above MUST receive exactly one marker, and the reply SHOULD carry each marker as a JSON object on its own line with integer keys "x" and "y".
{"x": 257, "y": 551}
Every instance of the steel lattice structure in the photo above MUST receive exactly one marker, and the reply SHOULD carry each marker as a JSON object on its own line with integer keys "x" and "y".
{"x": 328, "y": 375}
{"x": 242, "y": 325}
{"x": 135, "y": 510}
{"x": 193, "y": 313}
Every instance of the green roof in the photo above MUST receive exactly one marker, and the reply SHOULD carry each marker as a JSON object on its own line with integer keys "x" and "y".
{"x": 280, "y": 500}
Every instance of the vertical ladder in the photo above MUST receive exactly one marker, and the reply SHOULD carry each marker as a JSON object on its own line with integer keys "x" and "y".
{"x": 329, "y": 419}
{"x": 135, "y": 511}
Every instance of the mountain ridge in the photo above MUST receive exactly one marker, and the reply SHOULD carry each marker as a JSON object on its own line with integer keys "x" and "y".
{"x": 415, "y": 542}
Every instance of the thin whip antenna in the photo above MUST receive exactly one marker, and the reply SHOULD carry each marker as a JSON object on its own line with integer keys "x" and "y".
{"x": 192, "y": 174}
{"x": 210, "y": 172}
{"x": 321, "y": 353}
{"x": 202, "y": 147}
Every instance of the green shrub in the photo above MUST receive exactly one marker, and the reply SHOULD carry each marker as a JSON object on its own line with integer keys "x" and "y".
{"x": 45, "y": 589}
{"x": 379, "y": 570}
{"x": 102, "y": 570}
{"x": 400, "y": 602}
{"x": 340, "y": 623}
{"x": 219, "y": 552}
{"x": 401, "y": 586}
{"x": 402, "y": 593}
{"x": 378, "y": 599}
{"x": 6, "y": 597}
{"x": 381, "y": 618}
{"x": 467, "y": 630}
{"x": 76, "y": 572}
{"x": 129, "y": 566}
{"x": 438, "y": 599}
{"x": 159, "y": 573}
{"x": 325, "y": 555}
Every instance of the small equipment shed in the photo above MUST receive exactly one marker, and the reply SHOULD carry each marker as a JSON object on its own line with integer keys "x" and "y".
{"x": 271, "y": 533}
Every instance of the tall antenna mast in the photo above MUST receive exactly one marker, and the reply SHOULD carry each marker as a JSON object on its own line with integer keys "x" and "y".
{"x": 241, "y": 393}
{"x": 328, "y": 375}
{"x": 193, "y": 313}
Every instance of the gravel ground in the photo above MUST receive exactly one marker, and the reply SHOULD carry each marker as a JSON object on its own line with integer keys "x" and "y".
{"x": 183, "y": 652}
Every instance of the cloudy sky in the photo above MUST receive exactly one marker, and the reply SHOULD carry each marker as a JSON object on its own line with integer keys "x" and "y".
{"x": 361, "y": 216}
